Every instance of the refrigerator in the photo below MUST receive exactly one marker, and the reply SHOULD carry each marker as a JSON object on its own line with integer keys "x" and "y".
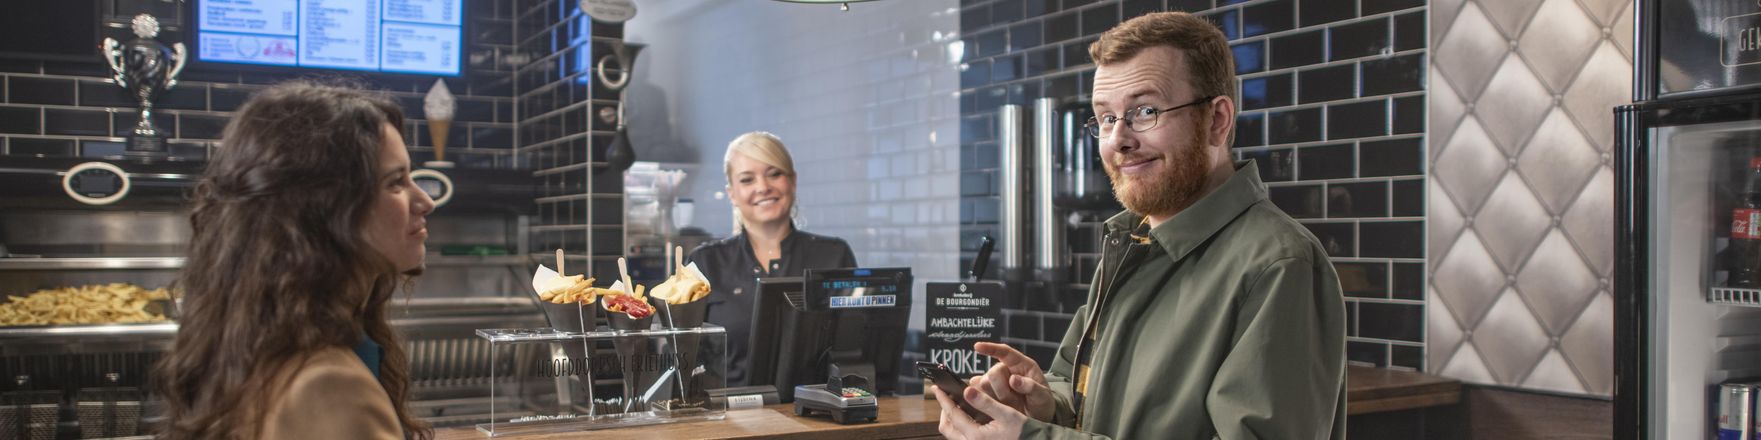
{"x": 1683, "y": 155}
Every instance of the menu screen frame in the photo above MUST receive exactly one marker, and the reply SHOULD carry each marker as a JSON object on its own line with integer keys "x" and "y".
{"x": 203, "y": 34}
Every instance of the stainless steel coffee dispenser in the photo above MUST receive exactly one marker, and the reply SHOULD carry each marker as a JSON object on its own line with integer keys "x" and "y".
{"x": 1062, "y": 166}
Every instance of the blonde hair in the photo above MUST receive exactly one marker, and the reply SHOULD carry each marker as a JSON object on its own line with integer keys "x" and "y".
{"x": 765, "y": 148}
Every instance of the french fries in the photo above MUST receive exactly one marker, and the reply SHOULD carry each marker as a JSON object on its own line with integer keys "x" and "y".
{"x": 569, "y": 289}
{"x": 686, "y": 285}
{"x": 91, "y": 304}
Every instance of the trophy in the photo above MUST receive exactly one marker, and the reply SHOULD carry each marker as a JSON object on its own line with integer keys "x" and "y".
{"x": 145, "y": 68}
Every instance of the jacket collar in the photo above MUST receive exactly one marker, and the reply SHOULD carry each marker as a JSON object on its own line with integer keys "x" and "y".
{"x": 787, "y": 246}
{"x": 1193, "y": 226}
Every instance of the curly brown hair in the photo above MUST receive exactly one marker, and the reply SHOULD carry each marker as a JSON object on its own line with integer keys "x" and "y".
{"x": 277, "y": 266}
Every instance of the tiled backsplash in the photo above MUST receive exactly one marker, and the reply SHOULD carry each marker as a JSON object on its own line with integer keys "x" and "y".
{"x": 561, "y": 135}
{"x": 53, "y": 108}
{"x": 1332, "y": 111}
{"x": 530, "y": 52}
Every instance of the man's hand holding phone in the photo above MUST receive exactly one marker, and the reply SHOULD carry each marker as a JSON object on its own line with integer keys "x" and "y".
{"x": 1016, "y": 381}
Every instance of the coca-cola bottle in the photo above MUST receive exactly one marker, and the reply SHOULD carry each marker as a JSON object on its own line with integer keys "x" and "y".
{"x": 1745, "y": 231}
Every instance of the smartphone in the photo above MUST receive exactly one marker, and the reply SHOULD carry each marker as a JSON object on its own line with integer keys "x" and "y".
{"x": 939, "y": 375}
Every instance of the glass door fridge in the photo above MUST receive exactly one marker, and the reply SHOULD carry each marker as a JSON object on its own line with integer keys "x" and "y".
{"x": 1687, "y": 222}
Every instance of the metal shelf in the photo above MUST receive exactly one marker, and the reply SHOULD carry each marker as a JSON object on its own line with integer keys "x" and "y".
{"x": 477, "y": 260}
{"x": 458, "y": 315}
{"x": 1734, "y": 296}
{"x": 91, "y": 263}
{"x": 106, "y": 263}
{"x": 38, "y": 333}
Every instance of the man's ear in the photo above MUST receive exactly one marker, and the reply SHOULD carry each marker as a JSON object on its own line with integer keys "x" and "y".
{"x": 1222, "y": 129}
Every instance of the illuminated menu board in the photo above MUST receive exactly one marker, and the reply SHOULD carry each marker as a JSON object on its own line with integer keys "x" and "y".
{"x": 403, "y": 36}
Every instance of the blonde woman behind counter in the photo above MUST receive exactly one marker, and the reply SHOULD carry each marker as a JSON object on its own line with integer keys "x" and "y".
{"x": 761, "y": 186}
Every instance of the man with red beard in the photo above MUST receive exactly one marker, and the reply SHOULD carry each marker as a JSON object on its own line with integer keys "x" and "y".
{"x": 1213, "y": 314}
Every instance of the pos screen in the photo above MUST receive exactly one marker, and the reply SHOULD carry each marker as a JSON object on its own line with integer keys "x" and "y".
{"x": 843, "y": 289}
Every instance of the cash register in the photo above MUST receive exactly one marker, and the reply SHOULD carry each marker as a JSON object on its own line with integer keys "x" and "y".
{"x": 832, "y": 339}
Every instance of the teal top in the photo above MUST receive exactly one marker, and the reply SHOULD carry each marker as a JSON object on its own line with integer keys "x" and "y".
{"x": 370, "y": 353}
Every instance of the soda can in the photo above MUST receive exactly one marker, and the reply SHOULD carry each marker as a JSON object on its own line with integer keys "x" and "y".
{"x": 1736, "y": 411}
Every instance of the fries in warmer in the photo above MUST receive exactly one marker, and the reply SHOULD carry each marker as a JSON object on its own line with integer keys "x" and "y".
{"x": 92, "y": 304}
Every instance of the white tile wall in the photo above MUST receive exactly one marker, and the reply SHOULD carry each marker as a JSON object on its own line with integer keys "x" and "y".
{"x": 865, "y": 99}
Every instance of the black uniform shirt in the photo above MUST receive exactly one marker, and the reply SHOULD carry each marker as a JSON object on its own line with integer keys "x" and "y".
{"x": 733, "y": 275}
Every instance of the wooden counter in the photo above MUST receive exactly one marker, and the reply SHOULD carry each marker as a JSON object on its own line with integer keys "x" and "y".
{"x": 901, "y": 417}
{"x": 1368, "y": 390}
{"x": 1374, "y": 390}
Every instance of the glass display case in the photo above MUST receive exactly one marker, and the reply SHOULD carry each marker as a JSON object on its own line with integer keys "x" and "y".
{"x": 549, "y": 380}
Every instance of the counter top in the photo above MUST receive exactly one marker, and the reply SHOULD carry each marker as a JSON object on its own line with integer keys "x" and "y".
{"x": 1368, "y": 390}
{"x": 1373, "y": 390}
{"x": 901, "y": 417}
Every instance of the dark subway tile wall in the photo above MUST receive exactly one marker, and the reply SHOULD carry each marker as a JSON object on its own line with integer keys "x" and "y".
{"x": 1332, "y": 114}
{"x": 1362, "y": 199}
{"x": 1357, "y": 120}
{"x": 1359, "y": 39}
{"x": 1324, "y": 162}
{"x": 565, "y": 142}
{"x": 1396, "y": 157}
{"x": 1268, "y": 17}
{"x": 1330, "y": 83}
{"x": 1366, "y": 353}
{"x": 1296, "y": 125}
{"x": 21, "y": 120}
{"x": 1299, "y": 49}
{"x": 1394, "y": 75}
{"x": 58, "y": 108}
{"x": 1266, "y": 91}
{"x": 1299, "y": 201}
{"x": 1364, "y": 280}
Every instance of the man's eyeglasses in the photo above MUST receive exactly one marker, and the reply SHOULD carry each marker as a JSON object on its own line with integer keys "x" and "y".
{"x": 1140, "y": 119}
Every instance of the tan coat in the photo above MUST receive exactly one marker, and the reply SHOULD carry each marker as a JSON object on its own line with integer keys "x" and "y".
{"x": 332, "y": 396}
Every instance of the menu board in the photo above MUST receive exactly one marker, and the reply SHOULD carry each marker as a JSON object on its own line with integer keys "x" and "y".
{"x": 404, "y": 36}
{"x": 959, "y": 315}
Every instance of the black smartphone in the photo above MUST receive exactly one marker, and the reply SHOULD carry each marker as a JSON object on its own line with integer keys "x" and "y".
{"x": 939, "y": 375}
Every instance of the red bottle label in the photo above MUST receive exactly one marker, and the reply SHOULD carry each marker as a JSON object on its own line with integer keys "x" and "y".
{"x": 1745, "y": 224}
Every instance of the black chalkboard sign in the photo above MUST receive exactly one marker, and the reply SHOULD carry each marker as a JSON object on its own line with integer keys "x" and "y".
{"x": 960, "y": 314}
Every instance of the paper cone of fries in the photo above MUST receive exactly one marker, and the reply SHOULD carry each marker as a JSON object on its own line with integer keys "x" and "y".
{"x": 681, "y": 296}
{"x": 628, "y": 310}
{"x": 567, "y": 302}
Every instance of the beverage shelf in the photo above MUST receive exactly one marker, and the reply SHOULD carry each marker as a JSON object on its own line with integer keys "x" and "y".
{"x": 1734, "y": 296}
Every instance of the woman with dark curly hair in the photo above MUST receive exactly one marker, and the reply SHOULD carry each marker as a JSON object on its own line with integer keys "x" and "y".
{"x": 304, "y": 225}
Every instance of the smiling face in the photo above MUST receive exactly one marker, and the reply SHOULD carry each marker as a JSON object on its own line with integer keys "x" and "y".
{"x": 397, "y": 224}
{"x": 762, "y": 193}
{"x": 1163, "y": 170}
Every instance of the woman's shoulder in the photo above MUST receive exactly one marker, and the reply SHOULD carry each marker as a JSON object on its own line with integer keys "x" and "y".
{"x": 330, "y": 369}
{"x": 332, "y": 385}
{"x": 724, "y": 247}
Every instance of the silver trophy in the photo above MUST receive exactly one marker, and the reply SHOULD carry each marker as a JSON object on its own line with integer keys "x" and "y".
{"x": 145, "y": 68}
